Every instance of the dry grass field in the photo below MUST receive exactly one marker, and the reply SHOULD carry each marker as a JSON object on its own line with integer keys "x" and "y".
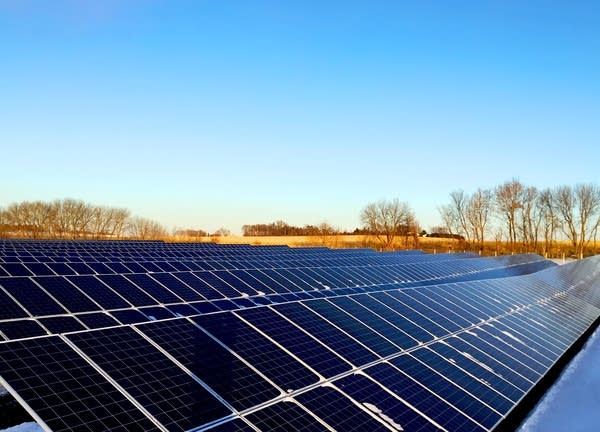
{"x": 427, "y": 244}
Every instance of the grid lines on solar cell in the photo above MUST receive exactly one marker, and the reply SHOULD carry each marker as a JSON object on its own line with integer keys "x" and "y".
{"x": 228, "y": 376}
{"x": 338, "y": 411}
{"x": 294, "y": 340}
{"x": 280, "y": 367}
{"x": 174, "y": 398}
{"x": 64, "y": 390}
{"x": 285, "y": 416}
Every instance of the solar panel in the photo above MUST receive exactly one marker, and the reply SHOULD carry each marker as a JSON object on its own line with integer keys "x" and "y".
{"x": 281, "y": 338}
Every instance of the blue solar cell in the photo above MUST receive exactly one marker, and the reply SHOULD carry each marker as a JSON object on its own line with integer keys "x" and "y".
{"x": 62, "y": 324}
{"x": 384, "y": 404}
{"x": 182, "y": 309}
{"x": 447, "y": 390}
{"x": 185, "y": 289}
{"x": 99, "y": 292}
{"x": 280, "y": 367}
{"x": 31, "y": 297}
{"x": 338, "y": 411}
{"x": 100, "y": 268}
{"x": 326, "y": 333}
{"x": 229, "y": 377}
{"x": 8, "y": 307}
{"x": 422, "y": 399}
{"x": 173, "y": 397}
{"x": 478, "y": 370}
{"x": 470, "y": 384}
{"x": 218, "y": 284}
{"x": 61, "y": 269}
{"x": 19, "y": 329}
{"x": 39, "y": 269}
{"x": 285, "y": 417}
{"x": 127, "y": 290}
{"x": 294, "y": 340}
{"x": 383, "y": 327}
{"x": 65, "y": 391}
{"x": 156, "y": 313}
{"x": 16, "y": 269}
{"x": 97, "y": 320}
{"x": 354, "y": 327}
{"x": 153, "y": 288}
{"x": 129, "y": 316}
{"x": 81, "y": 268}
{"x": 67, "y": 294}
{"x": 225, "y": 304}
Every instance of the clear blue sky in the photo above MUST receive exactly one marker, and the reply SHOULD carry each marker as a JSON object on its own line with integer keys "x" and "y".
{"x": 219, "y": 113}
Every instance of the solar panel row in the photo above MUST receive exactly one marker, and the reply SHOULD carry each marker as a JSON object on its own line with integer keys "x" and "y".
{"x": 442, "y": 356}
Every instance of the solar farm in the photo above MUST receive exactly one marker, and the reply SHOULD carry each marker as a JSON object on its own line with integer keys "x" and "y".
{"x": 154, "y": 336}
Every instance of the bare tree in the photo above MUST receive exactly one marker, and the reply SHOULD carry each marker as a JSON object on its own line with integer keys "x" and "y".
{"x": 549, "y": 221}
{"x": 508, "y": 201}
{"x": 222, "y": 232}
{"x": 146, "y": 229}
{"x": 388, "y": 219}
{"x": 578, "y": 207}
{"x": 529, "y": 218}
{"x": 479, "y": 207}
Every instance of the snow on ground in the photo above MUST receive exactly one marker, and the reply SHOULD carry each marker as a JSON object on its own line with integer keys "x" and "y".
{"x": 572, "y": 403}
{"x": 24, "y": 427}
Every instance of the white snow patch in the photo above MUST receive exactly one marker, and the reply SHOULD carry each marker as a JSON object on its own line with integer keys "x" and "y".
{"x": 260, "y": 293}
{"x": 572, "y": 402}
{"x": 471, "y": 333}
{"x": 473, "y": 359}
{"x": 24, "y": 427}
{"x": 380, "y": 413}
{"x": 245, "y": 295}
{"x": 513, "y": 337}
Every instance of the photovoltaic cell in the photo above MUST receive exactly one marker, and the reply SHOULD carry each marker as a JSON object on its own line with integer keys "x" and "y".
{"x": 268, "y": 358}
{"x": 19, "y": 329}
{"x": 294, "y": 340}
{"x": 64, "y": 390}
{"x": 327, "y": 333}
{"x": 32, "y": 297}
{"x": 67, "y": 294}
{"x": 228, "y": 376}
{"x": 285, "y": 417}
{"x": 173, "y": 397}
{"x": 95, "y": 289}
{"x": 338, "y": 411}
{"x": 384, "y": 404}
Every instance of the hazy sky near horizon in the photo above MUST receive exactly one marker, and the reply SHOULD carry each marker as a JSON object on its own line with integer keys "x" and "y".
{"x": 219, "y": 113}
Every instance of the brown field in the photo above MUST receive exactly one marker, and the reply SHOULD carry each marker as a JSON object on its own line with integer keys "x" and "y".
{"x": 427, "y": 244}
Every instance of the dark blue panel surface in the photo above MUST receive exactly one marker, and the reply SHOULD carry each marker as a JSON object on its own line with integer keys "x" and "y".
{"x": 158, "y": 384}
{"x": 32, "y": 297}
{"x": 233, "y": 380}
{"x": 268, "y": 358}
{"x": 338, "y": 411}
{"x": 297, "y": 342}
{"x": 95, "y": 289}
{"x": 390, "y": 408}
{"x": 285, "y": 417}
{"x": 65, "y": 391}
{"x": 19, "y": 329}
{"x": 67, "y": 294}
{"x": 326, "y": 333}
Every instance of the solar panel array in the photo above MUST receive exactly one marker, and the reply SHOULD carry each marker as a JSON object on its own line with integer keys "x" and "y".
{"x": 157, "y": 336}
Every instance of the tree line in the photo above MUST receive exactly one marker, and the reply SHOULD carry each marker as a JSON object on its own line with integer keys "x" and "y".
{"x": 281, "y": 228}
{"x": 525, "y": 218}
{"x": 75, "y": 219}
